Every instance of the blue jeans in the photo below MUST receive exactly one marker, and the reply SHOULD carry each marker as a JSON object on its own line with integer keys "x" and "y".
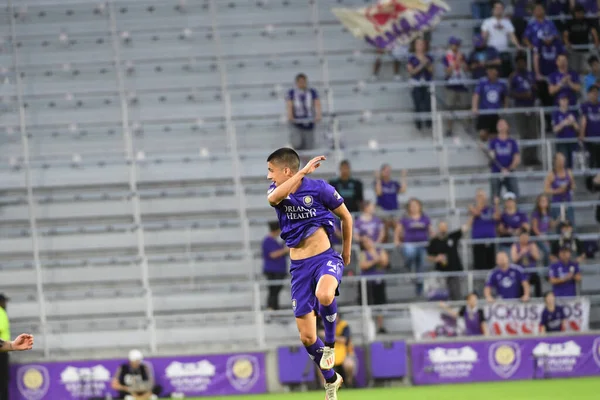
{"x": 567, "y": 150}
{"x": 569, "y": 212}
{"x": 414, "y": 256}
{"x": 509, "y": 183}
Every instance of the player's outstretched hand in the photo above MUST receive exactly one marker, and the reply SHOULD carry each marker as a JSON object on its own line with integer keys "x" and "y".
{"x": 313, "y": 164}
{"x": 23, "y": 342}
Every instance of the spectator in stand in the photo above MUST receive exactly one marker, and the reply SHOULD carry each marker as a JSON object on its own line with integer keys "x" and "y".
{"x": 567, "y": 239}
{"x": 545, "y": 53}
{"x": 414, "y": 227}
{"x": 560, "y": 184}
{"x": 420, "y": 69}
{"x": 590, "y": 8}
{"x": 508, "y": 280}
{"x": 303, "y": 112}
{"x": 373, "y": 261}
{"x": 490, "y": 96}
{"x": 536, "y": 26}
{"x": 274, "y": 255}
{"x": 369, "y": 225}
{"x": 475, "y": 322}
{"x": 564, "y": 81}
{"x": 455, "y": 66}
{"x": 505, "y": 158}
{"x": 553, "y": 316}
{"x": 521, "y": 14}
{"x": 564, "y": 274}
{"x": 542, "y": 224}
{"x": 565, "y": 125}
{"x": 577, "y": 33}
{"x": 590, "y": 125}
{"x": 497, "y": 32}
{"x": 485, "y": 219}
{"x": 349, "y": 188}
{"x": 482, "y": 56}
{"x": 512, "y": 221}
{"x": 134, "y": 380}
{"x": 387, "y": 191}
{"x": 593, "y": 77}
{"x": 526, "y": 254}
{"x": 522, "y": 88}
{"x": 394, "y": 55}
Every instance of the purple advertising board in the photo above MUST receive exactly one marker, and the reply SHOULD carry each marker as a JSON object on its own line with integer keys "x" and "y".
{"x": 494, "y": 360}
{"x": 211, "y": 375}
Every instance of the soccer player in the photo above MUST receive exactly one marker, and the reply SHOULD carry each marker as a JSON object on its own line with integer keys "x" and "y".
{"x": 304, "y": 207}
{"x": 23, "y": 342}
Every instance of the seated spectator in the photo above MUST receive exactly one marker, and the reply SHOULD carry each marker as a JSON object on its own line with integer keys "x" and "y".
{"x": 590, "y": 125}
{"x": 526, "y": 254}
{"x": 557, "y": 10}
{"x": 536, "y": 25}
{"x": 134, "y": 380}
{"x": 274, "y": 253}
{"x": 560, "y": 184}
{"x": 414, "y": 227}
{"x": 545, "y": 53}
{"x": 387, "y": 191}
{"x": 420, "y": 69}
{"x": 508, "y": 280}
{"x": 564, "y": 274}
{"x": 373, "y": 261}
{"x": 475, "y": 322}
{"x": 564, "y": 81}
{"x": 512, "y": 221}
{"x": 505, "y": 158}
{"x": 345, "y": 358}
{"x": 369, "y": 225}
{"x": 565, "y": 125}
{"x": 577, "y": 33}
{"x": 490, "y": 96}
{"x": 567, "y": 239}
{"x": 481, "y": 9}
{"x": 485, "y": 219}
{"x": 455, "y": 67}
{"x": 349, "y": 188}
{"x": 482, "y": 56}
{"x": 553, "y": 316}
{"x": 303, "y": 112}
{"x": 393, "y": 55}
{"x": 593, "y": 77}
{"x": 542, "y": 224}
{"x": 497, "y": 32}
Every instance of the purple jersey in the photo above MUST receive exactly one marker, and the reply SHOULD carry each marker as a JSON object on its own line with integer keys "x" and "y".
{"x": 556, "y": 77}
{"x": 482, "y": 56}
{"x": 543, "y": 221}
{"x": 273, "y": 265}
{"x": 567, "y": 132}
{"x": 484, "y": 225}
{"x": 557, "y": 182}
{"x": 306, "y": 210}
{"x": 513, "y": 221}
{"x": 473, "y": 319}
{"x": 491, "y": 94}
{"x": 504, "y": 152}
{"x": 371, "y": 227}
{"x": 526, "y": 261}
{"x": 389, "y": 195}
{"x": 547, "y": 55}
{"x": 303, "y": 102}
{"x": 591, "y": 111}
{"x": 561, "y": 270}
{"x": 522, "y": 82}
{"x": 415, "y": 230}
{"x": 424, "y": 73}
{"x": 553, "y": 320}
{"x": 507, "y": 283}
{"x": 373, "y": 270}
{"x": 535, "y": 29}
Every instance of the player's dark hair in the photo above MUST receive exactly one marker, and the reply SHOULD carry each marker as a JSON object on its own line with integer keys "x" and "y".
{"x": 345, "y": 163}
{"x": 300, "y": 76}
{"x": 273, "y": 226}
{"x": 286, "y": 157}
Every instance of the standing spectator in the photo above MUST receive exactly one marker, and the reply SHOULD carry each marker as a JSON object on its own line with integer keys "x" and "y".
{"x": 134, "y": 380}
{"x": 387, "y": 191}
{"x": 564, "y": 81}
{"x": 455, "y": 67}
{"x": 577, "y": 33}
{"x": 564, "y": 274}
{"x": 373, "y": 262}
{"x": 565, "y": 126}
{"x": 414, "y": 227}
{"x": 593, "y": 77}
{"x": 521, "y": 14}
{"x": 512, "y": 221}
{"x": 545, "y": 53}
{"x": 507, "y": 279}
{"x": 553, "y": 316}
{"x": 536, "y": 25}
{"x": 497, "y": 31}
{"x": 443, "y": 252}
{"x": 567, "y": 239}
{"x": 560, "y": 183}
{"x": 542, "y": 224}
{"x": 522, "y": 90}
{"x": 274, "y": 255}
{"x": 482, "y": 56}
{"x": 369, "y": 225}
{"x": 4, "y": 359}
{"x": 526, "y": 254}
{"x": 475, "y": 322}
{"x": 303, "y": 112}
{"x": 485, "y": 219}
{"x": 490, "y": 96}
{"x": 590, "y": 125}
{"x": 349, "y": 188}
{"x": 505, "y": 158}
{"x": 420, "y": 69}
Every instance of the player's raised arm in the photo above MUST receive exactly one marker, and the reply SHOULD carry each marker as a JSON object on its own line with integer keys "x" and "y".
{"x": 281, "y": 166}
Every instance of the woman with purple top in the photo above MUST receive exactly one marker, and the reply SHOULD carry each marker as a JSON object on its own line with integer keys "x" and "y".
{"x": 420, "y": 69}
{"x": 542, "y": 224}
{"x": 414, "y": 227}
{"x": 368, "y": 224}
{"x": 553, "y": 316}
{"x": 475, "y": 322}
{"x": 485, "y": 219}
{"x": 526, "y": 254}
{"x": 512, "y": 221}
{"x": 560, "y": 184}
{"x": 565, "y": 126}
{"x": 373, "y": 261}
{"x": 387, "y": 191}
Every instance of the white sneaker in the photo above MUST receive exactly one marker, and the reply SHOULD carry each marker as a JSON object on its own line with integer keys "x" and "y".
{"x": 331, "y": 389}
{"x": 328, "y": 359}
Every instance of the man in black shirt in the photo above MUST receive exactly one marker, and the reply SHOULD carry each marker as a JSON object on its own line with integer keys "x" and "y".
{"x": 443, "y": 251}
{"x": 577, "y": 33}
{"x": 567, "y": 239}
{"x": 134, "y": 380}
{"x": 349, "y": 188}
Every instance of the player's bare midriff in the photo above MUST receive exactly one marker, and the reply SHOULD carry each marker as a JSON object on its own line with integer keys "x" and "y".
{"x": 313, "y": 245}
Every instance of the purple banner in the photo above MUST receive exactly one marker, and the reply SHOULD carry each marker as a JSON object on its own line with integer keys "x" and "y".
{"x": 481, "y": 361}
{"x": 211, "y": 375}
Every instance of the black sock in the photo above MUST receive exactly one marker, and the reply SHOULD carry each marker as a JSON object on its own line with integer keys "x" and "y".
{"x": 332, "y": 379}
{"x": 331, "y": 345}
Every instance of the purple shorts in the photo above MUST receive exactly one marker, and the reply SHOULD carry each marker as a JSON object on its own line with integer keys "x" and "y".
{"x": 305, "y": 276}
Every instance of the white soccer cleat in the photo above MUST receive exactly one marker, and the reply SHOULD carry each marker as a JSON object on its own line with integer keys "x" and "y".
{"x": 328, "y": 359}
{"x": 331, "y": 389}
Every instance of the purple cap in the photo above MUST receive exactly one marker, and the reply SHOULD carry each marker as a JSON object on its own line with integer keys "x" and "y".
{"x": 478, "y": 41}
{"x": 453, "y": 40}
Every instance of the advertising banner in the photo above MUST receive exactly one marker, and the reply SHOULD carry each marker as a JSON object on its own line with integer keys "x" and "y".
{"x": 211, "y": 375}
